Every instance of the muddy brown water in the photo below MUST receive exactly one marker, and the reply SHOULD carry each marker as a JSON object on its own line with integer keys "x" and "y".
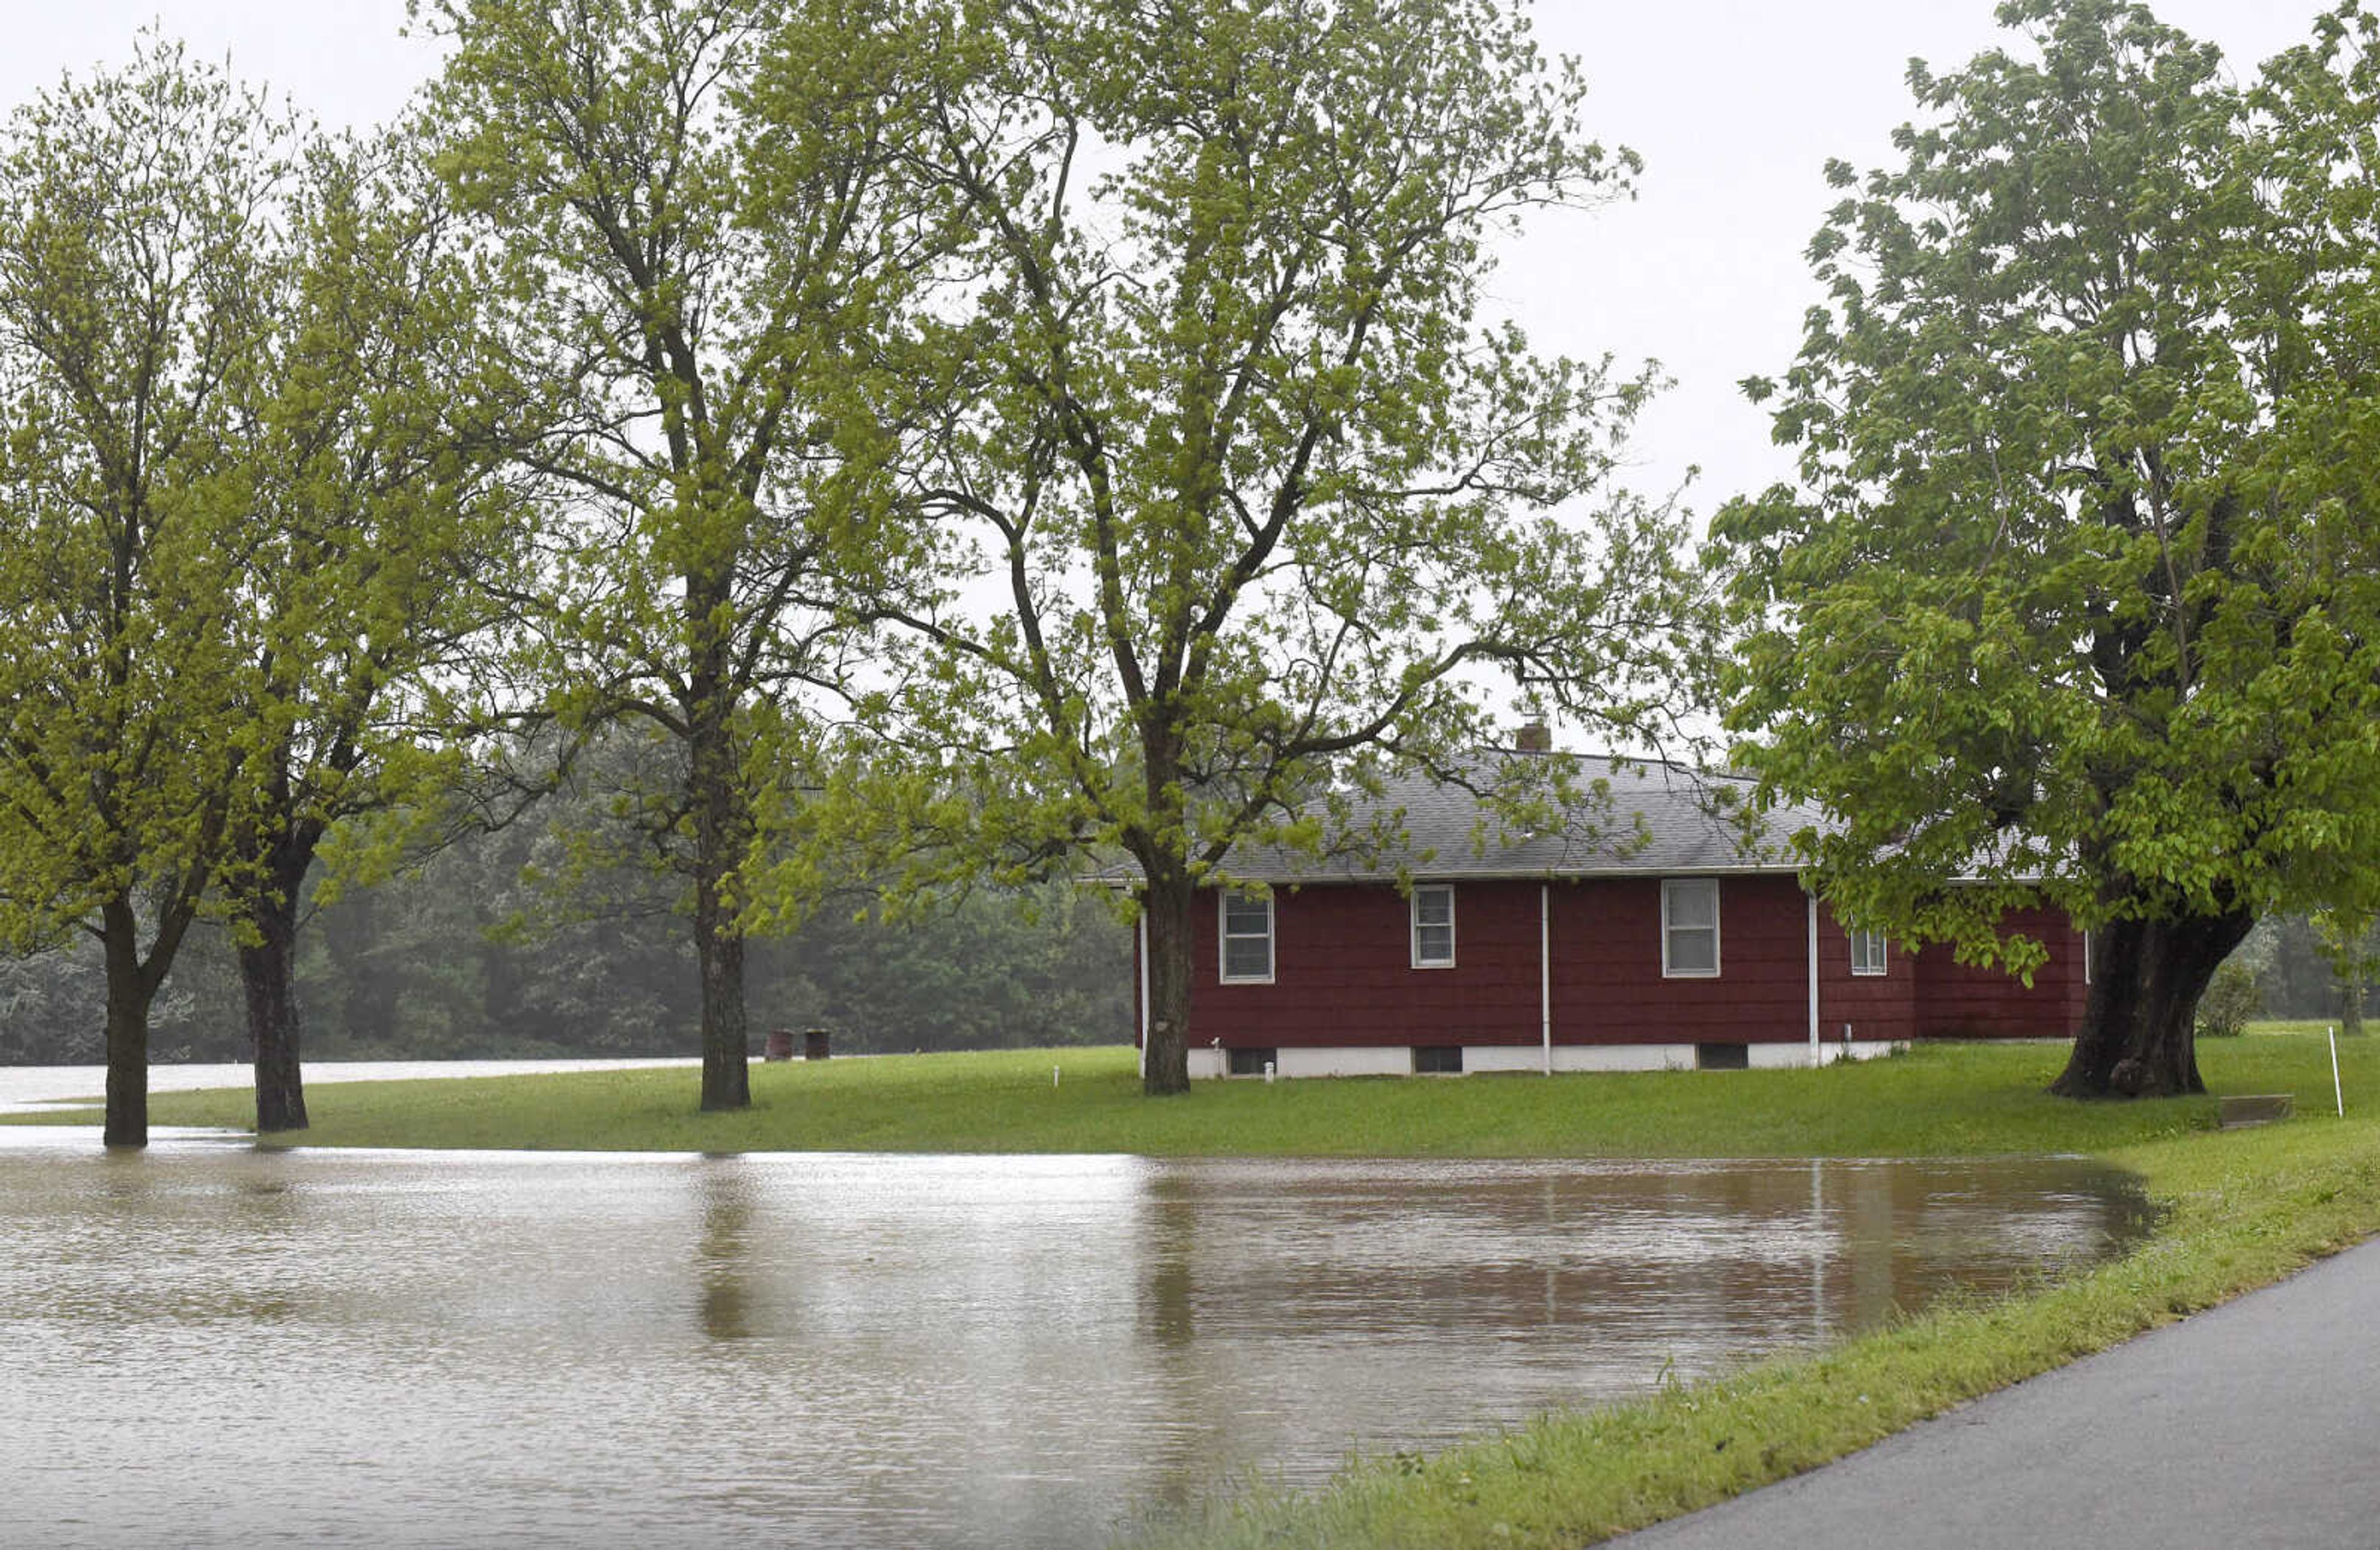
{"x": 209, "y": 1345}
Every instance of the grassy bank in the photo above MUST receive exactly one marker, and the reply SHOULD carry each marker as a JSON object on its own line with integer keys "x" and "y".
{"x": 1940, "y": 1101}
{"x": 2243, "y": 1208}
{"x": 2246, "y": 1207}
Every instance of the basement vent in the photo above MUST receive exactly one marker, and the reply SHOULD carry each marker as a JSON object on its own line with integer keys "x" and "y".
{"x": 1437, "y": 1060}
{"x": 1252, "y": 1062}
{"x": 1722, "y": 1057}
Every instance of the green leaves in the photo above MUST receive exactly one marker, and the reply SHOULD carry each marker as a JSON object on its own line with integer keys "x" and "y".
{"x": 134, "y": 221}
{"x": 2078, "y": 588}
{"x": 1259, "y": 492}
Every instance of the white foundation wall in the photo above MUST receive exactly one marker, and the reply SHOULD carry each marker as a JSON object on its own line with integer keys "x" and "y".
{"x": 1623, "y": 1056}
{"x": 1769, "y": 1057}
{"x": 1379, "y": 1060}
{"x": 1478, "y": 1059}
{"x": 1394, "y": 1060}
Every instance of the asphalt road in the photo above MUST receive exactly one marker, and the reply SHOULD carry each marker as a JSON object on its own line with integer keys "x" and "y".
{"x": 2255, "y": 1424}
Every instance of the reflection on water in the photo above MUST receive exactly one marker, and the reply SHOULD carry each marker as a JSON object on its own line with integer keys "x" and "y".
{"x": 209, "y": 1345}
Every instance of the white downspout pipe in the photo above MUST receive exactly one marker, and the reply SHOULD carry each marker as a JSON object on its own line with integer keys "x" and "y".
{"x": 1143, "y": 1040}
{"x": 1814, "y": 980}
{"x": 1546, "y": 972}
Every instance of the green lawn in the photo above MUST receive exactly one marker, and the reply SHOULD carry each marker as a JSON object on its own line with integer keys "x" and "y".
{"x": 1940, "y": 1100}
{"x": 2243, "y": 1207}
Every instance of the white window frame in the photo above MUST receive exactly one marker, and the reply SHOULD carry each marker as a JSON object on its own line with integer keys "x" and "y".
{"x": 1225, "y": 936}
{"x": 1871, "y": 963}
{"x": 1414, "y": 914}
{"x": 1672, "y": 888}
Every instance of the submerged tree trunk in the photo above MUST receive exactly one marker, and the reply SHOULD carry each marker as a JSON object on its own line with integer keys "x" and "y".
{"x": 129, "y": 994}
{"x": 2139, "y": 1036}
{"x": 1168, "y": 899}
{"x": 268, "y": 974}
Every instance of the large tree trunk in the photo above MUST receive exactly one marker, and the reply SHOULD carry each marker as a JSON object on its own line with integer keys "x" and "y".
{"x": 129, "y": 994}
{"x": 715, "y": 799}
{"x": 1168, "y": 900}
{"x": 719, "y": 836}
{"x": 718, "y": 944}
{"x": 268, "y": 974}
{"x": 2139, "y": 1036}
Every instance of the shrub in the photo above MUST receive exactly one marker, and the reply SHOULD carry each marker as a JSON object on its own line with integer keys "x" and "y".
{"x": 2231, "y": 998}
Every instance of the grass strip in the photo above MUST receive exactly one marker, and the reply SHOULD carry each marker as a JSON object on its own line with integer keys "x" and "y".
{"x": 1952, "y": 1100}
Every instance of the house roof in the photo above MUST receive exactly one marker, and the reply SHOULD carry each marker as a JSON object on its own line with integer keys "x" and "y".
{"x": 1629, "y": 817}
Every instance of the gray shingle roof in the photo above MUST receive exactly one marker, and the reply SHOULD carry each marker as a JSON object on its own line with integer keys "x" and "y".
{"x": 1633, "y": 818}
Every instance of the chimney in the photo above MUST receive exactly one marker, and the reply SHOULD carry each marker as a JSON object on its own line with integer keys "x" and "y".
{"x": 1534, "y": 738}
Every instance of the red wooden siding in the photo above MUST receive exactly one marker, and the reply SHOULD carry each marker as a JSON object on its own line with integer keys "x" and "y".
{"x": 1963, "y": 1000}
{"x": 1343, "y": 974}
{"x": 1607, "y": 966}
{"x": 1877, "y": 1006}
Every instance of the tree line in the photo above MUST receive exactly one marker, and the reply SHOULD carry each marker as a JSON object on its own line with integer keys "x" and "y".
{"x": 470, "y": 952}
{"x": 947, "y": 446}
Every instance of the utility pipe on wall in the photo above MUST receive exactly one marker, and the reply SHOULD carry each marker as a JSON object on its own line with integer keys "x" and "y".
{"x": 1144, "y": 994}
{"x": 1815, "y": 1056}
{"x": 1546, "y": 972}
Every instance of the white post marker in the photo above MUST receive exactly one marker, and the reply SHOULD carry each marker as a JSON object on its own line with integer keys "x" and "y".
{"x": 2337, "y": 1093}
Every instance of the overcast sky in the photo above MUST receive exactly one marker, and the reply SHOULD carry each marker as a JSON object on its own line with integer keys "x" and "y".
{"x": 1734, "y": 105}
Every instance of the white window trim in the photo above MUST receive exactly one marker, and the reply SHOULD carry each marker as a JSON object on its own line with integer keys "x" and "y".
{"x": 1413, "y": 915}
{"x": 1668, "y": 886}
{"x": 1883, "y": 953}
{"x": 1223, "y": 939}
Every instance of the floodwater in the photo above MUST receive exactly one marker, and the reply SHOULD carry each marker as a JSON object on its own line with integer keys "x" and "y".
{"x": 208, "y": 1345}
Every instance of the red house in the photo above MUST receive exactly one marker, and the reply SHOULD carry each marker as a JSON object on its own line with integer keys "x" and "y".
{"x": 1670, "y": 932}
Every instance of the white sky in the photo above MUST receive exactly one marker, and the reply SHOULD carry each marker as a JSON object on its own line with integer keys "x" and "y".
{"x": 1734, "y": 105}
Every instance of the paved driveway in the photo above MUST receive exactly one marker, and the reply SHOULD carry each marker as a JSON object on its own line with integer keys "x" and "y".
{"x": 2256, "y": 1424}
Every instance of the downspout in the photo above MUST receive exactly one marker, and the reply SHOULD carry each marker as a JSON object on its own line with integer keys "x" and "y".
{"x": 1545, "y": 971}
{"x": 1143, "y": 955}
{"x": 1814, "y": 980}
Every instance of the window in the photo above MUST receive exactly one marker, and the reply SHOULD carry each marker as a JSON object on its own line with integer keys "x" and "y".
{"x": 1690, "y": 929}
{"x": 1252, "y": 1062}
{"x": 1433, "y": 927}
{"x": 1247, "y": 938}
{"x": 1867, "y": 951}
{"x": 1437, "y": 1060}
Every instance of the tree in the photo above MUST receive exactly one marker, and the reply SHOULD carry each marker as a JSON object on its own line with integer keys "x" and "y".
{"x": 699, "y": 273}
{"x": 2346, "y": 945}
{"x": 1244, "y": 497}
{"x": 133, "y": 227}
{"x": 2075, "y": 602}
{"x": 371, "y": 425}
